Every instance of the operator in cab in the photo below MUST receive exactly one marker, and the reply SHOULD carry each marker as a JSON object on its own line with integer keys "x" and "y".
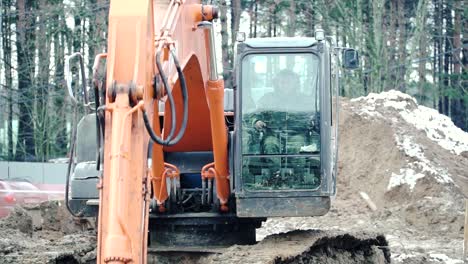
{"x": 283, "y": 122}
{"x": 283, "y": 111}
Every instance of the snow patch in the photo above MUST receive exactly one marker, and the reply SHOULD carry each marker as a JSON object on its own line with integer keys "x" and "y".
{"x": 437, "y": 258}
{"x": 422, "y": 164}
{"x": 417, "y": 169}
{"x": 402, "y": 257}
{"x": 439, "y": 128}
{"x": 402, "y": 105}
{"x": 442, "y": 258}
{"x": 389, "y": 95}
{"x": 407, "y": 176}
{"x": 367, "y": 111}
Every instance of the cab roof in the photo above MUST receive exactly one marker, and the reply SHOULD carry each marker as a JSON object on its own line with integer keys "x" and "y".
{"x": 280, "y": 42}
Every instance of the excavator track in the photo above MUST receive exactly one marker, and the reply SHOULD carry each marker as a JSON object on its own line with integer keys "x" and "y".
{"x": 200, "y": 232}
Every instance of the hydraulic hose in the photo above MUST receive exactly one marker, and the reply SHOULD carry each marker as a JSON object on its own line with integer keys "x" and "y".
{"x": 98, "y": 129}
{"x": 169, "y": 96}
{"x": 101, "y": 119}
{"x": 183, "y": 85}
{"x": 70, "y": 161}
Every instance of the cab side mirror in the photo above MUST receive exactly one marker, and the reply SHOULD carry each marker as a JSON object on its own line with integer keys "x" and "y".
{"x": 350, "y": 59}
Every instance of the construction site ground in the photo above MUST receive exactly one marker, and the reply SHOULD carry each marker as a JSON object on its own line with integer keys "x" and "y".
{"x": 403, "y": 173}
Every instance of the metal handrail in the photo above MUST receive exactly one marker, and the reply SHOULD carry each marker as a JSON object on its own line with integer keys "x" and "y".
{"x": 69, "y": 79}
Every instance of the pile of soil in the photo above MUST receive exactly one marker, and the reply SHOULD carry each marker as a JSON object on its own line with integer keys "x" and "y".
{"x": 412, "y": 164}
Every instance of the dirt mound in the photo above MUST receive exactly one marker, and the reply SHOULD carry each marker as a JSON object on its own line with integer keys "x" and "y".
{"x": 412, "y": 164}
{"x": 415, "y": 163}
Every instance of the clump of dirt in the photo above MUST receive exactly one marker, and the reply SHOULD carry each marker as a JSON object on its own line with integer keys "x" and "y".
{"x": 345, "y": 248}
{"x": 18, "y": 219}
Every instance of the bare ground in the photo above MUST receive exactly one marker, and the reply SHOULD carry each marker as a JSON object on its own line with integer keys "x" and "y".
{"x": 55, "y": 237}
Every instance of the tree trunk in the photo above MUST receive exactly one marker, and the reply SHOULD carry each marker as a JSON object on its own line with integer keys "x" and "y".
{"x": 271, "y": 19}
{"x": 275, "y": 22}
{"x": 251, "y": 18}
{"x": 309, "y": 13}
{"x": 392, "y": 31}
{"x": 93, "y": 17}
{"x": 6, "y": 46}
{"x": 97, "y": 15}
{"x": 235, "y": 20}
{"x": 227, "y": 70}
{"x": 25, "y": 37}
{"x": 401, "y": 46}
{"x": 438, "y": 22}
{"x": 447, "y": 13}
{"x": 42, "y": 84}
{"x": 291, "y": 29}
{"x": 236, "y": 11}
{"x": 457, "y": 101}
{"x": 464, "y": 62}
{"x": 420, "y": 50}
{"x": 256, "y": 19}
{"x": 60, "y": 123}
{"x": 77, "y": 34}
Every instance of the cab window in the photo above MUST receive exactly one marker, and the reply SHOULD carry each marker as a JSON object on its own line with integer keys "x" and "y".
{"x": 280, "y": 121}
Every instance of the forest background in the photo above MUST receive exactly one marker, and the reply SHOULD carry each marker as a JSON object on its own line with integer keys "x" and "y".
{"x": 419, "y": 47}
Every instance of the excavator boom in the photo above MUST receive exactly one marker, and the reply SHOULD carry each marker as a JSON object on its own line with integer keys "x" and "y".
{"x": 123, "y": 189}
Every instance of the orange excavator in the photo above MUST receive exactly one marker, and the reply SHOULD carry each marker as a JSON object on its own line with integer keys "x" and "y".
{"x": 169, "y": 158}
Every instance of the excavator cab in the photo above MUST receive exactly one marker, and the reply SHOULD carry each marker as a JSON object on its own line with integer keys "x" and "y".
{"x": 286, "y": 141}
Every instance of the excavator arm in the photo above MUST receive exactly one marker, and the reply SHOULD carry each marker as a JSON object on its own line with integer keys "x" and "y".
{"x": 157, "y": 53}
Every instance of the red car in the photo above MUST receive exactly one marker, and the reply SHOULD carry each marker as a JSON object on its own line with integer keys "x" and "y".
{"x": 14, "y": 193}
